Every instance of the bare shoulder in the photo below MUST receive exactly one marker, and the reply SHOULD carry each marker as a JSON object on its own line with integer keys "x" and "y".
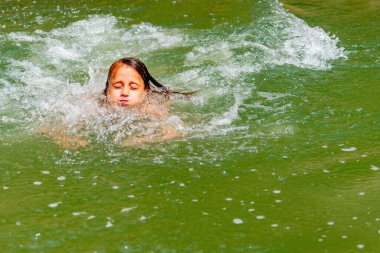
{"x": 156, "y": 106}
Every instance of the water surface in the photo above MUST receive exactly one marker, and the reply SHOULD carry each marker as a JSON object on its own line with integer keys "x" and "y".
{"x": 281, "y": 142}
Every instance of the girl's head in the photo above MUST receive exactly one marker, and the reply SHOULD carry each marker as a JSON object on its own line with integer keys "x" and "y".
{"x": 128, "y": 82}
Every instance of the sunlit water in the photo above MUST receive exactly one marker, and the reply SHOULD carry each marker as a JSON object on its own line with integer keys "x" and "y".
{"x": 280, "y": 146}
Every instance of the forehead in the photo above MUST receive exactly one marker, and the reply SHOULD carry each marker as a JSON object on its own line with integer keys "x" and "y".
{"x": 123, "y": 71}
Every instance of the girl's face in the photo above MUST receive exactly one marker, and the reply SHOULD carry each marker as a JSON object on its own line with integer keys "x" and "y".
{"x": 126, "y": 87}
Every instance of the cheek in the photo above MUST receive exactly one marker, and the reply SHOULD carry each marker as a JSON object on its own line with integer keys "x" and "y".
{"x": 113, "y": 93}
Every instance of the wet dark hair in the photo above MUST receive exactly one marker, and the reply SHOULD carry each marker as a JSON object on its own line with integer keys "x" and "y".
{"x": 140, "y": 67}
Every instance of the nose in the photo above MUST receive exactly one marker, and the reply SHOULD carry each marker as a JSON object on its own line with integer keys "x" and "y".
{"x": 125, "y": 91}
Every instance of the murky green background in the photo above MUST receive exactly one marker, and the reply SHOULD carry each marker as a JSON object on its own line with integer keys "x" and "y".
{"x": 292, "y": 165}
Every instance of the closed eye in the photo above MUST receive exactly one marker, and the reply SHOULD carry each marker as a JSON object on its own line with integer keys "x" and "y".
{"x": 117, "y": 85}
{"x": 134, "y": 86}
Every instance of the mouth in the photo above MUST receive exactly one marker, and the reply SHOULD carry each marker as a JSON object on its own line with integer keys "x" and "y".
{"x": 123, "y": 102}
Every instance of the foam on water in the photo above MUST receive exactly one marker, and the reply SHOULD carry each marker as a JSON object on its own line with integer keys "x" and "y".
{"x": 63, "y": 73}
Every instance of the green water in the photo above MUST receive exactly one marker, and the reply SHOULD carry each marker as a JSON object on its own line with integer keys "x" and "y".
{"x": 281, "y": 143}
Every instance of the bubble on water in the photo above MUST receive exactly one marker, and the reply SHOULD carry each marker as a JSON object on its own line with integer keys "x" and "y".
{"x": 274, "y": 225}
{"x": 237, "y": 221}
{"x": 360, "y": 246}
{"x": 127, "y": 209}
{"x": 348, "y": 149}
{"x": 330, "y": 223}
{"x": 374, "y": 168}
{"x": 54, "y": 205}
{"x": 276, "y": 191}
{"x": 354, "y": 218}
{"x": 109, "y": 224}
{"x": 115, "y": 187}
{"x": 142, "y": 218}
{"x": 45, "y": 172}
{"x": 251, "y": 210}
{"x": 344, "y": 236}
{"x": 78, "y": 213}
{"x": 18, "y": 223}
{"x": 91, "y": 217}
{"x": 37, "y": 183}
{"x": 361, "y": 193}
{"x": 5, "y": 187}
{"x": 228, "y": 199}
{"x": 260, "y": 217}
{"x": 61, "y": 178}
{"x": 278, "y": 200}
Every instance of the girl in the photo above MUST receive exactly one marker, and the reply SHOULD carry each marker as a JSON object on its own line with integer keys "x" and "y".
{"x": 129, "y": 82}
{"x": 129, "y": 85}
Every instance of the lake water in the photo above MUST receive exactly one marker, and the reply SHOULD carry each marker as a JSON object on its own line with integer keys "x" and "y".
{"x": 281, "y": 141}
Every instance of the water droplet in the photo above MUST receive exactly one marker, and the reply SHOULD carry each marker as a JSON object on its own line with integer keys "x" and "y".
{"x": 61, "y": 178}
{"x": 237, "y": 221}
{"x": 109, "y": 224}
{"x": 348, "y": 149}
{"x": 54, "y": 205}
{"x": 360, "y": 246}
{"x": 127, "y": 209}
{"x": 78, "y": 213}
